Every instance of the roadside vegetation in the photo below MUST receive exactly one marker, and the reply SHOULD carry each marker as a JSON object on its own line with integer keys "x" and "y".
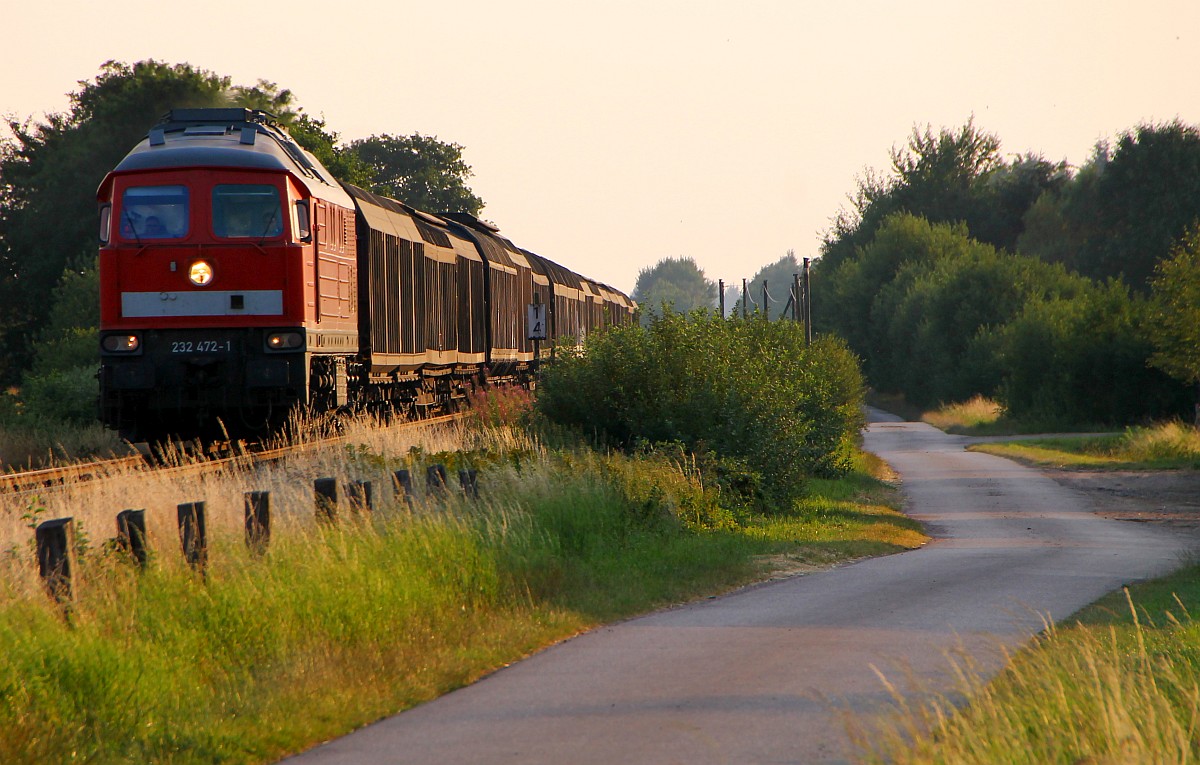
{"x": 1118, "y": 682}
{"x": 1166, "y": 446}
{"x": 340, "y": 624}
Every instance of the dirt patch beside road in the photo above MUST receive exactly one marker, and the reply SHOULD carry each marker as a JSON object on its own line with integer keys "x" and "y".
{"x": 1169, "y": 497}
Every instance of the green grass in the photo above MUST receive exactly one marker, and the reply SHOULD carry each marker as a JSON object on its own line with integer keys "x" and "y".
{"x": 336, "y": 627}
{"x": 1118, "y": 683}
{"x": 1166, "y": 446}
{"x": 978, "y": 416}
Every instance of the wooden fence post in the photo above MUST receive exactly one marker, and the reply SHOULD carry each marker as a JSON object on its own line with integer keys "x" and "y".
{"x": 358, "y": 496}
{"x": 131, "y": 535}
{"x": 325, "y": 494}
{"x": 258, "y": 521}
{"x": 435, "y": 480}
{"x": 402, "y": 482}
{"x": 56, "y": 556}
{"x": 193, "y": 534}
{"x": 469, "y": 480}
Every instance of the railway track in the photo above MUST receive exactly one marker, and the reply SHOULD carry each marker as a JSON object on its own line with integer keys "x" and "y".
{"x": 237, "y": 455}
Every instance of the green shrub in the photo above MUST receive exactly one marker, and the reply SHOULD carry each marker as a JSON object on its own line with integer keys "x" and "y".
{"x": 750, "y": 392}
{"x": 62, "y": 395}
{"x": 1083, "y": 360}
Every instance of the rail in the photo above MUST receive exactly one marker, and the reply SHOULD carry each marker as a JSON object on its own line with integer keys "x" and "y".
{"x": 53, "y": 477}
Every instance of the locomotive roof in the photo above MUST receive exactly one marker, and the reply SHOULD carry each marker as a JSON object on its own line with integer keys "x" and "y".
{"x": 233, "y": 138}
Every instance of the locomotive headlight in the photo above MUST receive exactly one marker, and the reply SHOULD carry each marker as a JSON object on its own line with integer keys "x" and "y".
{"x": 200, "y": 273}
{"x": 121, "y": 343}
{"x": 284, "y": 341}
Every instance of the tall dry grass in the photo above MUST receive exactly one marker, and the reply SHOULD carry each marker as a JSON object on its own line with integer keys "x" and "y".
{"x": 1114, "y": 694}
{"x": 94, "y": 504}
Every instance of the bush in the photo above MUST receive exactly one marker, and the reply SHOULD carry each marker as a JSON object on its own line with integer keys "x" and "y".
{"x": 939, "y": 345}
{"x": 66, "y": 395}
{"x": 770, "y": 410}
{"x": 1083, "y": 360}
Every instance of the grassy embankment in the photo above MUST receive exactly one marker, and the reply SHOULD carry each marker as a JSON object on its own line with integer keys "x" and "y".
{"x": 1118, "y": 682}
{"x": 339, "y": 625}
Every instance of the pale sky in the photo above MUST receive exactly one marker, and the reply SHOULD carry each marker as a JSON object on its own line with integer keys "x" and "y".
{"x": 607, "y": 136}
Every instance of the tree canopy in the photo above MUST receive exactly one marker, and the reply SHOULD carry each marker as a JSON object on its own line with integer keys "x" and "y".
{"x": 1126, "y": 207}
{"x": 419, "y": 170}
{"x": 1175, "y": 329}
{"x": 677, "y": 284}
{"x": 961, "y": 272}
{"x": 952, "y": 176}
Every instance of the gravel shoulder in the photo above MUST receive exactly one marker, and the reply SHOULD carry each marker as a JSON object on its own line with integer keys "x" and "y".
{"x": 1168, "y": 498}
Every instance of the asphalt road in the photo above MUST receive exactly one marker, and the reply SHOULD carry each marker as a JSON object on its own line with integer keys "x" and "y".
{"x": 766, "y": 675}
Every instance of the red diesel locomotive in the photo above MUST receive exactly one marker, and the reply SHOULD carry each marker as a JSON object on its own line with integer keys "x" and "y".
{"x": 240, "y": 280}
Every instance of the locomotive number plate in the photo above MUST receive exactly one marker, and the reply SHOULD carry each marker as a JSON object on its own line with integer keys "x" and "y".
{"x": 201, "y": 346}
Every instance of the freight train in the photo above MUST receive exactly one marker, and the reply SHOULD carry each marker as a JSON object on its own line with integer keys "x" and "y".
{"x": 240, "y": 280}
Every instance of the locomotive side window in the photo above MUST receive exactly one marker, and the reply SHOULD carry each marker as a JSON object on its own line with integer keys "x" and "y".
{"x": 246, "y": 210}
{"x": 303, "y": 227}
{"x": 154, "y": 212}
{"x": 105, "y": 222}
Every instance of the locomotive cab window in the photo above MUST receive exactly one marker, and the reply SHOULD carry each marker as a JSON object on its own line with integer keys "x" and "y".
{"x": 154, "y": 212}
{"x": 245, "y": 210}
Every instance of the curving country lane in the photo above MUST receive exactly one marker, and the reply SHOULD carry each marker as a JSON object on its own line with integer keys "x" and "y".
{"x": 763, "y": 675}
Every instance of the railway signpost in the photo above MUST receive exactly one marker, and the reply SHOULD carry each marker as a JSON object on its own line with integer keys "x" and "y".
{"x": 537, "y": 320}
{"x": 536, "y": 327}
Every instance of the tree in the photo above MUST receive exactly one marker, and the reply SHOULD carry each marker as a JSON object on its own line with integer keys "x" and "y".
{"x": 934, "y": 176}
{"x": 266, "y": 96}
{"x": 1175, "y": 326}
{"x": 60, "y": 384}
{"x": 1081, "y": 358}
{"x": 850, "y": 292}
{"x": 420, "y": 171}
{"x": 677, "y": 284}
{"x": 1147, "y": 196}
{"x": 1125, "y": 208}
{"x": 313, "y": 135}
{"x": 49, "y": 173}
{"x": 938, "y": 328}
{"x": 948, "y": 177}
